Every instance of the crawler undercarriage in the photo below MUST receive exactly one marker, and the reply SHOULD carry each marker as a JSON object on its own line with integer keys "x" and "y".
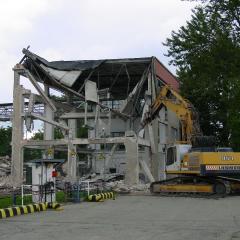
{"x": 199, "y": 186}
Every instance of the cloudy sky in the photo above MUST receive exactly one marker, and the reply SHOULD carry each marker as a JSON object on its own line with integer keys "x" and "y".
{"x": 85, "y": 29}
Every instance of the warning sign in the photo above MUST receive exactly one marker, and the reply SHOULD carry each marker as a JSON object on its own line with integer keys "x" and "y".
{"x": 101, "y": 156}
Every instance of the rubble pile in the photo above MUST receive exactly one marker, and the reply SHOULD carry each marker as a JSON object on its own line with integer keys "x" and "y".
{"x": 121, "y": 187}
{"x": 5, "y": 166}
{"x": 5, "y": 170}
{"x": 116, "y": 183}
{"x": 5, "y": 183}
{"x": 109, "y": 181}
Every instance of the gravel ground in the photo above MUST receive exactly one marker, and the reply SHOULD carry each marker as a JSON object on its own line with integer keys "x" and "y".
{"x": 131, "y": 217}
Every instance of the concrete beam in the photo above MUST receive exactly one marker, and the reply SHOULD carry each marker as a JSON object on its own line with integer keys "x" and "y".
{"x": 76, "y": 141}
{"x": 58, "y": 142}
{"x": 79, "y": 141}
{"x": 37, "y": 116}
{"x": 46, "y": 99}
{"x": 146, "y": 170}
{"x": 82, "y": 141}
{"x": 81, "y": 115}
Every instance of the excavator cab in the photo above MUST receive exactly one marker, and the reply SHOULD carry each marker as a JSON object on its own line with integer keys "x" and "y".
{"x": 174, "y": 156}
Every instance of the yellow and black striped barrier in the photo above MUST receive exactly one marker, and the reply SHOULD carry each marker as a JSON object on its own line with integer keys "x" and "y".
{"x": 55, "y": 206}
{"x": 15, "y": 211}
{"x": 31, "y": 208}
{"x": 101, "y": 197}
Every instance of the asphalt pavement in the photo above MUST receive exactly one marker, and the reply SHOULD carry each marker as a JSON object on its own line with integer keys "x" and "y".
{"x": 131, "y": 218}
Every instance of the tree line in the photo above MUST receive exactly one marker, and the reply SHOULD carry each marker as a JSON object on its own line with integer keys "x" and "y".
{"x": 30, "y": 154}
{"x": 206, "y": 53}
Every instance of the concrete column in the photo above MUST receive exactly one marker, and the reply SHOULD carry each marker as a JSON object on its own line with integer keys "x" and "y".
{"x": 48, "y": 130}
{"x": 17, "y": 132}
{"x": 72, "y": 154}
{"x": 49, "y": 114}
{"x": 72, "y": 163}
{"x": 162, "y": 165}
{"x": 155, "y": 155}
{"x": 132, "y": 166}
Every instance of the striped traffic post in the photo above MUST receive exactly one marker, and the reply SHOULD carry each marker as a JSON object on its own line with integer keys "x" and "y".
{"x": 101, "y": 196}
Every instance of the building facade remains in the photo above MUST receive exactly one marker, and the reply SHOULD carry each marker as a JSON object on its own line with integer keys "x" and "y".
{"x": 99, "y": 107}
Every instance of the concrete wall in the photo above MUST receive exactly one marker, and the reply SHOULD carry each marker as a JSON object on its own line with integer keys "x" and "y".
{"x": 165, "y": 130}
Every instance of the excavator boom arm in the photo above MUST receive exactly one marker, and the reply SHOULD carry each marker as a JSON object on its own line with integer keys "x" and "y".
{"x": 183, "y": 109}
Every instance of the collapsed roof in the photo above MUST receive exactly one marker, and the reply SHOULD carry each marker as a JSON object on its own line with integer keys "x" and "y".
{"x": 119, "y": 76}
{"x": 115, "y": 79}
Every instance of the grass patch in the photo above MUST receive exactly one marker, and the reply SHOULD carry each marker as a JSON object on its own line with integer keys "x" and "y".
{"x": 72, "y": 196}
{"x": 7, "y": 201}
{"x": 60, "y": 197}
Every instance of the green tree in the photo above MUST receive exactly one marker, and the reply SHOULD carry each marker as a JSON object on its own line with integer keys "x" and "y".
{"x": 5, "y": 141}
{"x": 206, "y": 52}
{"x": 30, "y": 154}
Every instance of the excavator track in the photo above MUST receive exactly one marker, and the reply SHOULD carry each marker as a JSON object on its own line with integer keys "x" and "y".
{"x": 195, "y": 187}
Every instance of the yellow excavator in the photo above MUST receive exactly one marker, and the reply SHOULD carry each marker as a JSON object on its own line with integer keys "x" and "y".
{"x": 194, "y": 165}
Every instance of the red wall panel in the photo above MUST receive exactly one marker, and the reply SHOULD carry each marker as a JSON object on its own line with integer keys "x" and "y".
{"x": 166, "y": 76}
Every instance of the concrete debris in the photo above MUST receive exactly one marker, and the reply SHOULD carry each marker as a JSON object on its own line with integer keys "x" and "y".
{"x": 5, "y": 170}
{"x": 103, "y": 178}
{"x": 121, "y": 187}
{"x": 109, "y": 182}
{"x": 5, "y": 166}
{"x": 5, "y": 183}
{"x": 116, "y": 183}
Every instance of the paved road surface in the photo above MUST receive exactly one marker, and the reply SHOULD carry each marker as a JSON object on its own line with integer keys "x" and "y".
{"x": 131, "y": 218}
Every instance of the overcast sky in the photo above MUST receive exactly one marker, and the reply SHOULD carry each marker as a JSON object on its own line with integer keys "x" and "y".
{"x": 85, "y": 29}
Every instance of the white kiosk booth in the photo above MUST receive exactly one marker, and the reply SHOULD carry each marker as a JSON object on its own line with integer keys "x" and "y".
{"x": 44, "y": 179}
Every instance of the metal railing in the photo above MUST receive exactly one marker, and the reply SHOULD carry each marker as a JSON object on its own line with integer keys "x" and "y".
{"x": 39, "y": 193}
{"x": 22, "y": 193}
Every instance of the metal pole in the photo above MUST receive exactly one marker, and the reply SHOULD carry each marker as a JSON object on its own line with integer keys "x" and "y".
{"x": 78, "y": 193}
{"x": 41, "y": 197}
{"x": 104, "y": 163}
{"x": 104, "y": 160}
{"x": 22, "y": 193}
{"x": 88, "y": 190}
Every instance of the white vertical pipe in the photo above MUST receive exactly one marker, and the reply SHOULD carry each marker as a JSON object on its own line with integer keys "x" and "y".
{"x": 22, "y": 193}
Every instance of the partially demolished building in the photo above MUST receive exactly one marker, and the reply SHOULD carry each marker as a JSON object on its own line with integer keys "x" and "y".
{"x": 109, "y": 98}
